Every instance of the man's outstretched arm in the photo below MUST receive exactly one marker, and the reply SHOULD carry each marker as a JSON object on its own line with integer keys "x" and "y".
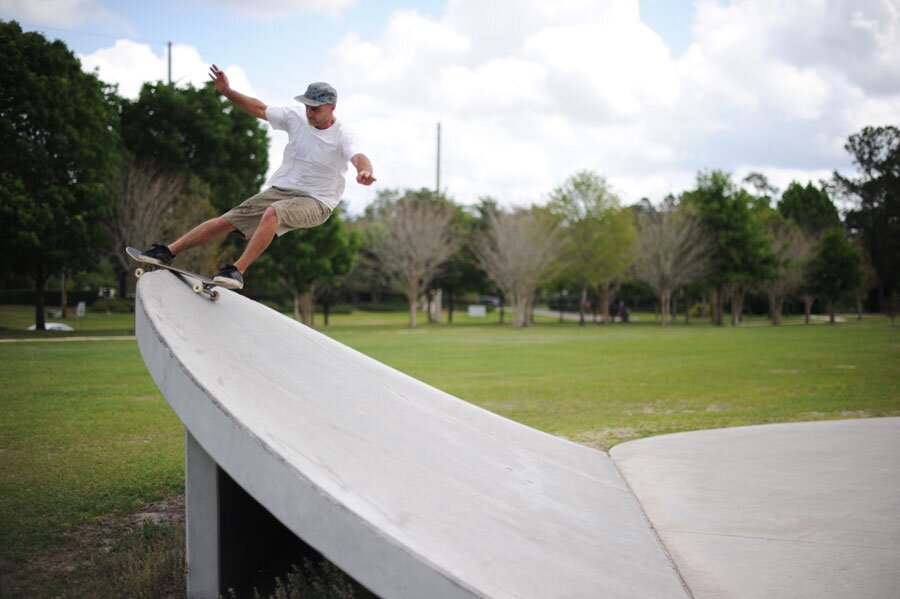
{"x": 251, "y": 106}
{"x": 363, "y": 166}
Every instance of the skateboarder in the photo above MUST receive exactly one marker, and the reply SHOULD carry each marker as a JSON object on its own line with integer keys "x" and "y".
{"x": 303, "y": 191}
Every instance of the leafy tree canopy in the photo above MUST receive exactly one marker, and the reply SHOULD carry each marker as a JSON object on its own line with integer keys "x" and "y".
{"x": 198, "y": 131}
{"x": 876, "y": 152}
{"x": 743, "y": 251}
{"x": 56, "y": 144}
{"x": 836, "y": 269}
{"x": 313, "y": 257}
{"x": 810, "y": 207}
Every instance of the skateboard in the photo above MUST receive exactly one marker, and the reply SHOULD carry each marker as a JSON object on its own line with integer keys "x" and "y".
{"x": 203, "y": 284}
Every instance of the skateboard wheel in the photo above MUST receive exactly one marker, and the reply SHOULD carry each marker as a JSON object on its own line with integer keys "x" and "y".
{"x": 197, "y": 288}
{"x": 138, "y": 272}
{"x": 214, "y": 295}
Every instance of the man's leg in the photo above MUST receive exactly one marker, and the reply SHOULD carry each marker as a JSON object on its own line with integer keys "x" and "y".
{"x": 202, "y": 234}
{"x": 260, "y": 239}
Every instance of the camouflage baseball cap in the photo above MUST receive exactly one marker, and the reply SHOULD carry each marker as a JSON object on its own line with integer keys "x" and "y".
{"x": 317, "y": 94}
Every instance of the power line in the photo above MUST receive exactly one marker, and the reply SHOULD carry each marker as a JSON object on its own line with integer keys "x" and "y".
{"x": 36, "y": 27}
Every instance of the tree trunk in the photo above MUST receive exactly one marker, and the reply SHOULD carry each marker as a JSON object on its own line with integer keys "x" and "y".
{"x": 450, "y": 307}
{"x": 665, "y": 300}
{"x": 776, "y": 306}
{"x": 719, "y": 307}
{"x": 123, "y": 284}
{"x": 583, "y": 302}
{"x": 412, "y": 297}
{"x": 737, "y": 304}
{"x": 429, "y": 305}
{"x": 892, "y": 307}
{"x": 605, "y": 298}
{"x": 40, "y": 280}
{"x": 807, "y": 306}
{"x": 64, "y": 300}
{"x": 306, "y": 307}
{"x": 831, "y": 319}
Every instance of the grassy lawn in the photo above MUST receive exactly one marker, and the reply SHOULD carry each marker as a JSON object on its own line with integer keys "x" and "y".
{"x": 15, "y": 319}
{"x": 601, "y": 385}
{"x": 86, "y": 440}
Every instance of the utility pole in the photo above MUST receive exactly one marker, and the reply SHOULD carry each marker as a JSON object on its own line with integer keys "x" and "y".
{"x": 170, "y": 63}
{"x": 437, "y": 187}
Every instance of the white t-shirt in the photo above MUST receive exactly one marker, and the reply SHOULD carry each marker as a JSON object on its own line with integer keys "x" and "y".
{"x": 315, "y": 160}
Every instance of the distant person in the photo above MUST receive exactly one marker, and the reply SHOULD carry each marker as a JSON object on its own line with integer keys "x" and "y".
{"x": 301, "y": 194}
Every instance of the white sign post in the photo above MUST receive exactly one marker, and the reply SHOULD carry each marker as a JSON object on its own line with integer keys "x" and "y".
{"x": 477, "y": 311}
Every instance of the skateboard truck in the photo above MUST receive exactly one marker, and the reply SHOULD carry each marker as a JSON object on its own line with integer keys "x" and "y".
{"x": 202, "y": 284}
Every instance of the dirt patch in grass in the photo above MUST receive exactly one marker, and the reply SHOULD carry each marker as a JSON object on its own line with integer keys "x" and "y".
{"x": 140, "y": 554}
{"x": 604, "y": 439}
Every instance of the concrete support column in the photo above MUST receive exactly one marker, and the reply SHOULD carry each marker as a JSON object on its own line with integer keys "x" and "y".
{"x": 202, "y": 521}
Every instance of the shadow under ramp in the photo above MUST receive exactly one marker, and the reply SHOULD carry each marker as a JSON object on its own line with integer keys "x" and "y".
{"x": 412, "y": 492}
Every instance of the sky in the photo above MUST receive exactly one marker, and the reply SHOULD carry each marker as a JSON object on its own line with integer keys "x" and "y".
{"x": 646, "y": 93}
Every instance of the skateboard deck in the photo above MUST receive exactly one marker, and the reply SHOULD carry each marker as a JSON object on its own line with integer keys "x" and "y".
{"x": 203, "y": 284}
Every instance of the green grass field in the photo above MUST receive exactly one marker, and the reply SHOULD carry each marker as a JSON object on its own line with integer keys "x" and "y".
{"x": 86, "y": 439}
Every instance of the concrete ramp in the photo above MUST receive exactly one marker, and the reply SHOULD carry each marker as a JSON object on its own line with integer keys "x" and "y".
{"x": 412, "y": 492}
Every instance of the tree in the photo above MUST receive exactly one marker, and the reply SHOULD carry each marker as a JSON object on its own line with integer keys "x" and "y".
{"x": 876, "y": 188}
{"x": 142, "y": 197}
{"x": 810, "y": 207}
{"x": 673, "y": 250}
{"x": 835, "y": 270}
{"x": 793, "y": 248}
{"x": 199, "y": 132}
{"x": 869, "y": 279}
{"x": 413, "y": 237}
{"x": 460, "y": 273}
{"x": 765, "y": 191}
{"x": 518, "y": 251}
{"x": 308, "y": 260}
{"x": 619, "y": 235}
{"x": 56, "y": 145}
{"x": 598, "y": 235}
{"x": 743, "y": 254}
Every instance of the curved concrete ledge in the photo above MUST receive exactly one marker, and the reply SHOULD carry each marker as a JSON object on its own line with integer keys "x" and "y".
{"x": 412, "y": 492}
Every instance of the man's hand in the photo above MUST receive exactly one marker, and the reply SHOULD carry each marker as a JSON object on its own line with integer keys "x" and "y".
{"x": 220, "y": 80}
{"x": 363, "y": 169}
{"x": 251, "y": 106}
{"x": 365, "y": 178}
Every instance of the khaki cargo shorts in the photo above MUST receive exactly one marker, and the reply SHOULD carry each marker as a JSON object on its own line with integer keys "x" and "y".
{"x": 295, "y": 210}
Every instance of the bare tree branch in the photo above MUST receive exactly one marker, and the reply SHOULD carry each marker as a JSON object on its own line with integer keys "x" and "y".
{"x": 518, "y": 252}
{"x": 415, "y": 239}
{"x": 793, "y": 249}
{"x": 143, "y": 196}
{"x": 672, "y": 251}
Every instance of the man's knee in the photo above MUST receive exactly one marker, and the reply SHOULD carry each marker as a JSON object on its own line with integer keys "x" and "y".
{"x": 226, "y": 224}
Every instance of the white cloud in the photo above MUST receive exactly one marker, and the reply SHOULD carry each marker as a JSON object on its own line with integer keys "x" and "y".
{"x": 528, "y": 93}
{"x": 267, "y": 10}
{"x": 62, "y": 13}
{"x": 523, "y": 91}
{"x": 131, "y": 64}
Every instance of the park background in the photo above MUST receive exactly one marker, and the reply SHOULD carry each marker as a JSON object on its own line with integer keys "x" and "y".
{"x": 607, "y": 318}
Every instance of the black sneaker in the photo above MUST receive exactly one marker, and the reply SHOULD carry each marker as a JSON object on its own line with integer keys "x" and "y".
{"x": 229, "y": 277}
{"x": 158, "y": 254}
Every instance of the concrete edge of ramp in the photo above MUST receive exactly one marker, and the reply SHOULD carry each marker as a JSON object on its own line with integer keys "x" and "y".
{"x": 412, "y": 492}
{"x": 808, "y": 509}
